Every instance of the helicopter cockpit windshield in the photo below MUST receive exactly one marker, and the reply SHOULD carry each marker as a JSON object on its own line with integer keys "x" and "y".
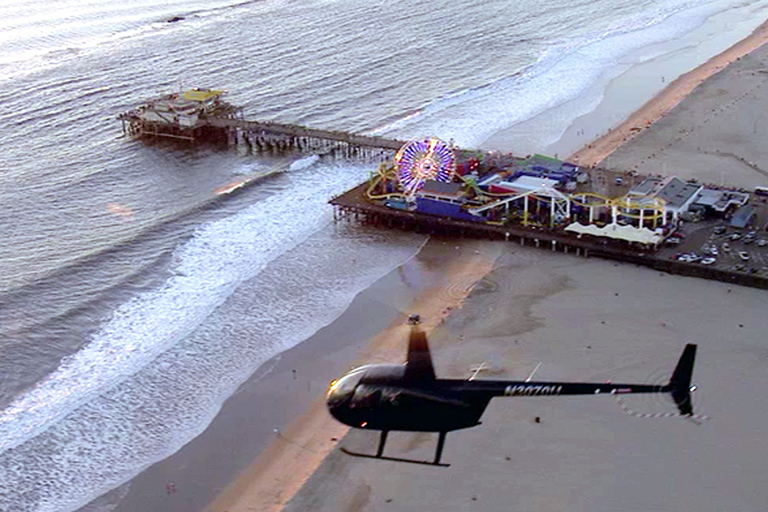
{"x": 342, "y": 389}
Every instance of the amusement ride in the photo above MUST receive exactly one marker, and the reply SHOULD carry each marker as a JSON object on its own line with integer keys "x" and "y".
{"x": 419, "y": 161}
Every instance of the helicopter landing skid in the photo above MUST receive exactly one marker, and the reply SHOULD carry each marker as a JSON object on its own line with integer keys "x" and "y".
{"x": 395, "y": 459}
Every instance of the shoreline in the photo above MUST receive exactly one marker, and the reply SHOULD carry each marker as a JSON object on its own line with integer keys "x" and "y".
{"x": 622, "y": 86}
{"x": 261, "y": 437}
{"x": 598, "y": 150}
{"x": 291, "y": 459}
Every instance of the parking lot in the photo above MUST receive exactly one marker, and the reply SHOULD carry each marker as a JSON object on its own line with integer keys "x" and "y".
{"x": 714, "y": 243}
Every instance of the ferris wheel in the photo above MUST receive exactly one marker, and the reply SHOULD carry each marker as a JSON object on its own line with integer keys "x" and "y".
{"x": 421, "y": 160}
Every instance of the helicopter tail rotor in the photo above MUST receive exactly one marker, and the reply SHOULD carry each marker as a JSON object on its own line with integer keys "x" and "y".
{"x": 680, "y": 383}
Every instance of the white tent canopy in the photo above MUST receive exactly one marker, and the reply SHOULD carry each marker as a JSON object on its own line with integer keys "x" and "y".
{"x": 526, "y": 184}
{"x": 619, "y": 232}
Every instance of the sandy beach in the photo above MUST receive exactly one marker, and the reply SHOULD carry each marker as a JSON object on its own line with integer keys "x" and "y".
{"x": 733, "y": 95}
{"x": 592, "y": 320}
{"x": 284, "y": 467}
{"x": 271, "y": 435}
{"x": 716, "y": 134}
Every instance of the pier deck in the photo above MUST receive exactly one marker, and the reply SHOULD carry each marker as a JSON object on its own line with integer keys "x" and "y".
{"x": 294, "y": 131}
{"x": 354, "y": 206}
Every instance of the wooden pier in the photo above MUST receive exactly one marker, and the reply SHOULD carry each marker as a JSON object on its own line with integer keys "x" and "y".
{"x": 182, "y": 116}
{"x": 267, "y": 136}
{"x": 201, "y": 115}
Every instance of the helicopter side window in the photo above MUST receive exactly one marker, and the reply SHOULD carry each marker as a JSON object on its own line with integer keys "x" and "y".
{"x": 366, "y": 396}
{"x": 391, "y": 396}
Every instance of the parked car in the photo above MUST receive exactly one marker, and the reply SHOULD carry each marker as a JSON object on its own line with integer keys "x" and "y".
{"x": 726, "y": 247}
{"x": 744, "y": 255}
{"x": 735, "y": 236}
{"x": 719, "y": 230}
{"x": 762, "y": 242}
{"x": 689, "y": 257}
{"x": 708, "y": 261}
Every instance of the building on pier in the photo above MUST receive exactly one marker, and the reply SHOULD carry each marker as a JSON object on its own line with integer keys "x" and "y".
{"x": 202, "y": 115}
{"x": 182, "y": 115}
{"x": 720, "y": 201}
{"x": 677, "y": 195}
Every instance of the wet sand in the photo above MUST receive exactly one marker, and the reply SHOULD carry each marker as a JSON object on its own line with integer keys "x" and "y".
{"x": 642, "y": 85}
{"x": 271, "y": 435}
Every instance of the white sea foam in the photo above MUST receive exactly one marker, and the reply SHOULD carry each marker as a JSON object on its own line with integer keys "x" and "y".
{"x": 208, "y": 268}
{"x": 305, "y": 162}
{"x": 149, "y": 382}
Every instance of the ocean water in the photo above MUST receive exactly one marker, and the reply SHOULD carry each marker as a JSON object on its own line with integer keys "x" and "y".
{"x": 127, "y": 285}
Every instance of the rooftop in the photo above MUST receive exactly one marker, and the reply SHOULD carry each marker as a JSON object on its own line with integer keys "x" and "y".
{"x": 441, "y": 189}
{"x": 743, "y": 216}
{"x": 674, "y": 191}
{"x": 525, "y": 184}
{"x": 720, "y": 200}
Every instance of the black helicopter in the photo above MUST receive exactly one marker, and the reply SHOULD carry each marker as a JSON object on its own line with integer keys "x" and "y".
{"x": 408, "y": 397}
